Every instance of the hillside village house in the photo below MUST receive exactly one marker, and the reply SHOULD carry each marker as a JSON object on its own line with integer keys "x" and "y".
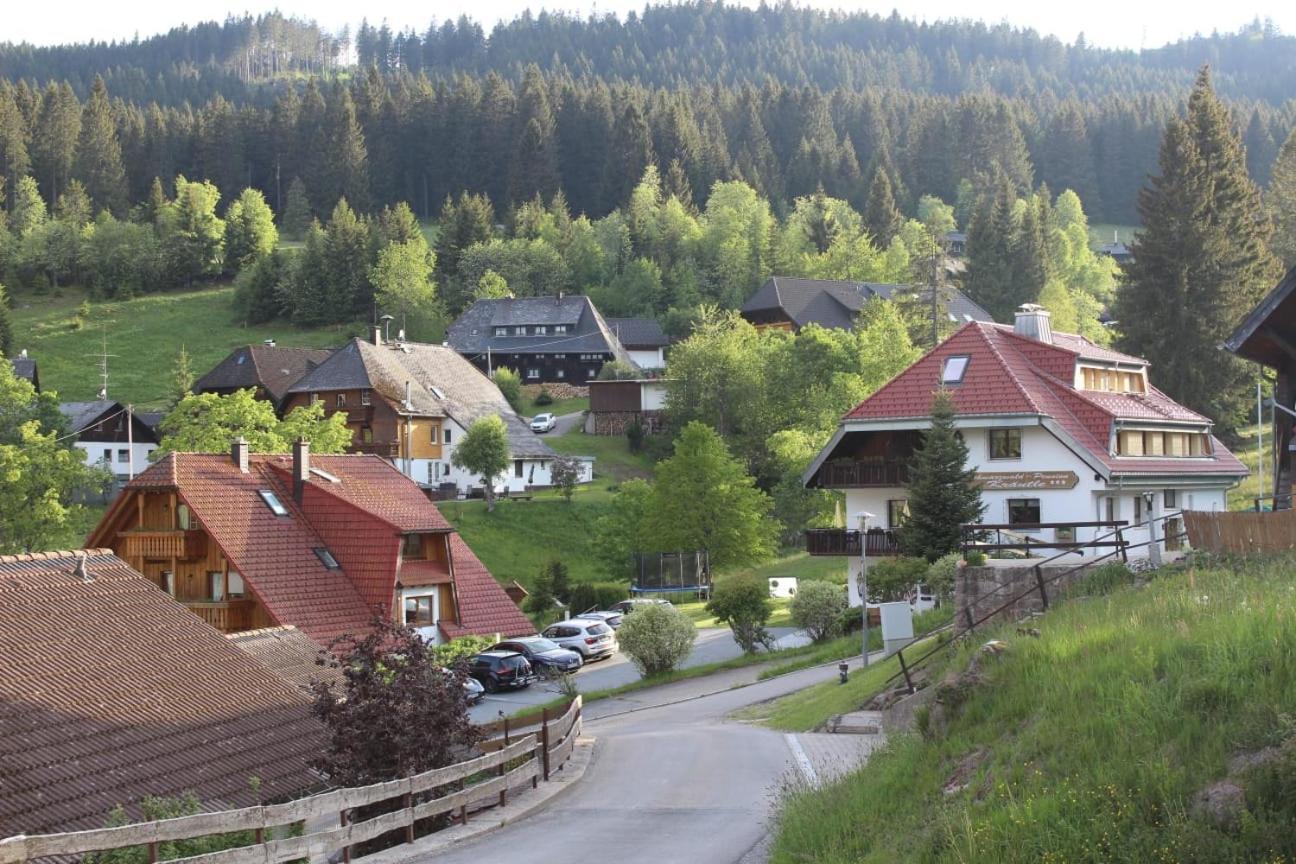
{"x": 323, "y": 543}
{"x": 788, "y": 303}
{"x": 644, "y": 340}
{"x": 615, "y": 406}
{"x": 1058, "y": 429}
{"x": 412, "y": 403}
{"x": 113, "y": 691}
{"x": 25, "y": 368}
{"x": 1268, "y": 336}
{"x": 267, "y": 370}
{"x": 544, "y": 339}
{"x": 111, "y": 436}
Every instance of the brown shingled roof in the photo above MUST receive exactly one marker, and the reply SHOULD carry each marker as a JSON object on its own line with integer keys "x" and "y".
{"x": 290, "y": 654}
{"x": 112, "y": 691}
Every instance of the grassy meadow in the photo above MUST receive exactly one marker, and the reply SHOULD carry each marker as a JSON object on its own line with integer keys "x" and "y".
{"x": 1088, "y": 743}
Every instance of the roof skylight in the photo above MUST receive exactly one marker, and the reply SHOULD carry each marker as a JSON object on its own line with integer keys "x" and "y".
{"x": 272, "y": 501}
{"x": 953, "y": 369}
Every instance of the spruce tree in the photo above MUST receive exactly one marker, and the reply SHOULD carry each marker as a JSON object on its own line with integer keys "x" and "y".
{"x": 6, "y": 326}
{"x": 1200, "y": 264}
{"x": 296, "y": 216}
{"x": 14, "y": 158}
{"x": 1029, "y": 269}
{"x": 881, "y": 217}
{"x": 632, "y": 153}
{"x": 990, "y": 244}
{"x": 943, "y": 492}
{"x": 1282, "y": 202}
{"x": 182, "y": 376}
{"x": 99, "y": 156}
{"x": 54, "y": 137}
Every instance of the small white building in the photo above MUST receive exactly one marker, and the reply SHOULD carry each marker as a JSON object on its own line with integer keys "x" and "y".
{"x": 643, "y": 339}
{"x": 111, "y": 436}
{"x": 1058, "y": 429}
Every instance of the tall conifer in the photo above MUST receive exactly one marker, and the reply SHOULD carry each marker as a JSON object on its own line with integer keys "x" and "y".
{"x": 99, "y": 156}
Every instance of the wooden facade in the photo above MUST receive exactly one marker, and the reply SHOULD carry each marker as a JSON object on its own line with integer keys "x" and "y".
{"x": 376, "y": 424}
{"x": 158, "y": 537}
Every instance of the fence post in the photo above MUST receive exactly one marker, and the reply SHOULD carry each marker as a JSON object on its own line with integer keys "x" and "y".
{"x": 1120, "y": 540}
{"x": 346, "y": 850}
{"x": 1039, "y": 580}
{"x": 408, "y": 803}
{"x": 967, "y": 614}
{"x": 544, "y": 741}
{"x": 905, "y": 669}
{"x": 153, "y": 852}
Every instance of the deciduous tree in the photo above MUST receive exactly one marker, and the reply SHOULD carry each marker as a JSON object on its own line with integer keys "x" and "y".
{"x": 208, "y": 422}
{"x": 484, "y": 451}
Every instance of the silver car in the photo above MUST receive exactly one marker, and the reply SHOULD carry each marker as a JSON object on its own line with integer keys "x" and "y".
{"x": 591, "y": 639}
{"x": 612, "y": 619}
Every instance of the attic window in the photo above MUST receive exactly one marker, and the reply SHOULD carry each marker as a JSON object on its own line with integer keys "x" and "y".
{"x": 326, "y": 558}
{"x": 321, "y": 473}
{"x": 240, "y": 360}
{"x": 272, "y": 501}
{"x": 953, "y": 369}
{"x": 560, "y": 329}
{"x": 501, "y": 331}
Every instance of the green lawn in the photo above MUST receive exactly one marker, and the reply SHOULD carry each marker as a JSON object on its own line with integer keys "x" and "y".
{"x": 1242, "y": 497}
{"x": 1088, "y": 743}
{"x": 528, "y": 407}
{"x": 613, "y": 461}
{"x": 144, "y": 335}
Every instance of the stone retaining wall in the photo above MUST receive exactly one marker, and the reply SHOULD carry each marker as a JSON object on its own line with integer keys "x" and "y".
{"x": 975, "y": 590}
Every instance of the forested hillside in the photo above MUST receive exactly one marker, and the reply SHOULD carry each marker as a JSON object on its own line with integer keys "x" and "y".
{"x": 785, "y": 99}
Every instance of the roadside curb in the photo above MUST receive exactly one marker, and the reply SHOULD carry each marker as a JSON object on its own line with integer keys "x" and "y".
{"x": 486, "y": 822}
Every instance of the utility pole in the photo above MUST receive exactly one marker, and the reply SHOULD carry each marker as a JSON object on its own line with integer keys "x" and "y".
{"x": 130, "y": 442}
{"x": 1260, "y": 443}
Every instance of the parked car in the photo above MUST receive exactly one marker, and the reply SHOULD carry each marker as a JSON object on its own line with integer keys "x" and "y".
{"x": 501, "y": 670}
{"x": 625, "y": 607}
{"x": 593, "y": 639}
{"x": 545, "y": 656}
{"x": 612, "y": 619}
{"x": 543, "y": 422}
{"x": 471, "y": 686}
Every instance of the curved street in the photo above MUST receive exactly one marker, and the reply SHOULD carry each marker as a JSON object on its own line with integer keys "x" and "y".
{"x": 670, "y": 782}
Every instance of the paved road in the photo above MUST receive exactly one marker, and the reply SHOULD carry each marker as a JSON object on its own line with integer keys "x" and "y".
{"x": 712, "y": 646}
{"x": 673, "y": 783}
{"x": 564, "y": 423}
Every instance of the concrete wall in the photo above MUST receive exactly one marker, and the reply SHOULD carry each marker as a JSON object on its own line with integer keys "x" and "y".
{"x": 981, "y": 589}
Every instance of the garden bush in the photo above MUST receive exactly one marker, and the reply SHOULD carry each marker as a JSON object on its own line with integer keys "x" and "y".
{"x": 743, "y": 603}
{"x": 597, "y": 595}
{"x": 817, "y": 609}
{"x": 509, "y": 384}
{"x": 657, "y": 638}
{"x": 544, "y": 397}
{"x": 894, "y": 578}
{"x": 942, "y": 574}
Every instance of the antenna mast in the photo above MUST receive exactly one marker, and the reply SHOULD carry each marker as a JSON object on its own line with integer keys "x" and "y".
{"x": 103, "y": 364}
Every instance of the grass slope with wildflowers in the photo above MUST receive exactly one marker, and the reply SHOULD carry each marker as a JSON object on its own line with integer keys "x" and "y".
{"x": 1089, "y": 743}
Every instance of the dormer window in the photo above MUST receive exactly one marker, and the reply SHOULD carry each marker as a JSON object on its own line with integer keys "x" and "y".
{"x": 412, "y": 547}
{"x": 953, "y": 369}
{"x": 519, "y": 330}
{"x": 272, "y": 501}
{"x": 560, "y": 329}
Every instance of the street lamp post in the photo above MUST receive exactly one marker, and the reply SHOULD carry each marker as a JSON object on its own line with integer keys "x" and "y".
{"x": 863, "y": 518}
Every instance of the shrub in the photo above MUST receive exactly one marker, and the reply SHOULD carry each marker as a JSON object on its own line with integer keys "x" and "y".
{"x": 509, "y": 384}
{"x": 657, "y": 638}
{"x": 544, "y": 397}
{"x": 743, "y": 603}
{"x": 975, "y": 559}
{"x": 817, "y": 609}
{"x": 893, "y": 579}
{"x": 550, "y": 585}
{"x": 459, "y": 649}
{"x": 635, "y": 436}
{"x": 565, "y": 473}
{"x": 942, "y": 574}
{"x": 597, "y": 595}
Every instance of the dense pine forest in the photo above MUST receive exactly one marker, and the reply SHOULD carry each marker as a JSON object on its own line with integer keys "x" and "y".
{"x": 785, "y": 99}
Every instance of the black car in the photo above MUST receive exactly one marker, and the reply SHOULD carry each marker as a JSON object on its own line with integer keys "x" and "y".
{"x": 501, "y": 670}
{"x": 545, "y": 656}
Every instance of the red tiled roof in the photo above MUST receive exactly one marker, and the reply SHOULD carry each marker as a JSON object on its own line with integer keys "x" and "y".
{"x": 484, "y": 607}
{"x": 290, "y": 654}
{"x": 1008, "y": 374}
{"x": 376, "y": 486}
{"x": 275, "y": 554}
{"x": 112, "y": 691}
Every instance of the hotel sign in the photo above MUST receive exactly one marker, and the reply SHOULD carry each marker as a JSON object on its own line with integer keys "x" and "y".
{"x": 994, "y": 481}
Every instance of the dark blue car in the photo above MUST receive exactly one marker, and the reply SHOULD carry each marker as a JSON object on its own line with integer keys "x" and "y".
{"x": 545, "y": 656}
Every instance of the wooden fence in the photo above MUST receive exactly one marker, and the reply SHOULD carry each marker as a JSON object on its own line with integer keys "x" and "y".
{"x": 509, "y": 762}
{"x": 1241, "y": 532}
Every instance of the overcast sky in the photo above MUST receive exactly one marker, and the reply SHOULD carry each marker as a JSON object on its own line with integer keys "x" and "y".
{"x": 1113, "y": 23}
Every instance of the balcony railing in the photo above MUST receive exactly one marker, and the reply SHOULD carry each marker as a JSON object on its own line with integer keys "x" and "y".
{"x": 839, "y": 541}
{"x": 859, "y": 474}
{"x": 227, "y": 616}
{"x": 185, "y": 545}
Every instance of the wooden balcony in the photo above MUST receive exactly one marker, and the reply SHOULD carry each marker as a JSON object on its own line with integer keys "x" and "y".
{"x": 864, "y": 473}
{"x": 183, "y": 545}
{"x": 228, "y": 616}
{"x": 839, "y": 541}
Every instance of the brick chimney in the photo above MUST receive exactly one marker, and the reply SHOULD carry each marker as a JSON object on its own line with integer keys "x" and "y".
{"x": 239, "y": 453}
{"x": 301, "y": 467}
{"x": 1032, "y": 321}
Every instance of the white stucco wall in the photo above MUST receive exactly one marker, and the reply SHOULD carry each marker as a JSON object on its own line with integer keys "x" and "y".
{"x": 652, "y": 396}
{"x": 648, "y": 359}
{"x": 99, "y": 455}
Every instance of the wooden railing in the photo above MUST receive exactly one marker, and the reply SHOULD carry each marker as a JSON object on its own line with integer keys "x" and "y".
{"x": 839, "y": 541}
{"x": 862, "y": 473}
{"x": 985, "y": 537}
{"x": 507, "y": 764}
{"x": 180, "y": 544}
{"x": 228, "y": 616}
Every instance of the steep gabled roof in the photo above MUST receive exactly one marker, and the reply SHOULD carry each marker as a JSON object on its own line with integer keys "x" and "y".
{"x": 372, "y": 484}
{"x": 1268, "y": 333}
{"x": 1011, "y": 375}
{"x": 441, "y": 384}
{"x": 25, "y": 368}
{"x": 272, "y": 367}
{"x": 273, "y": 553}
{"x": 473, "y": 332}
{"x": 81, "y": 415}
{"x": 484, "y": 607}
{"x": 113, "y": 691}
{"x": 835, "y": 303}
